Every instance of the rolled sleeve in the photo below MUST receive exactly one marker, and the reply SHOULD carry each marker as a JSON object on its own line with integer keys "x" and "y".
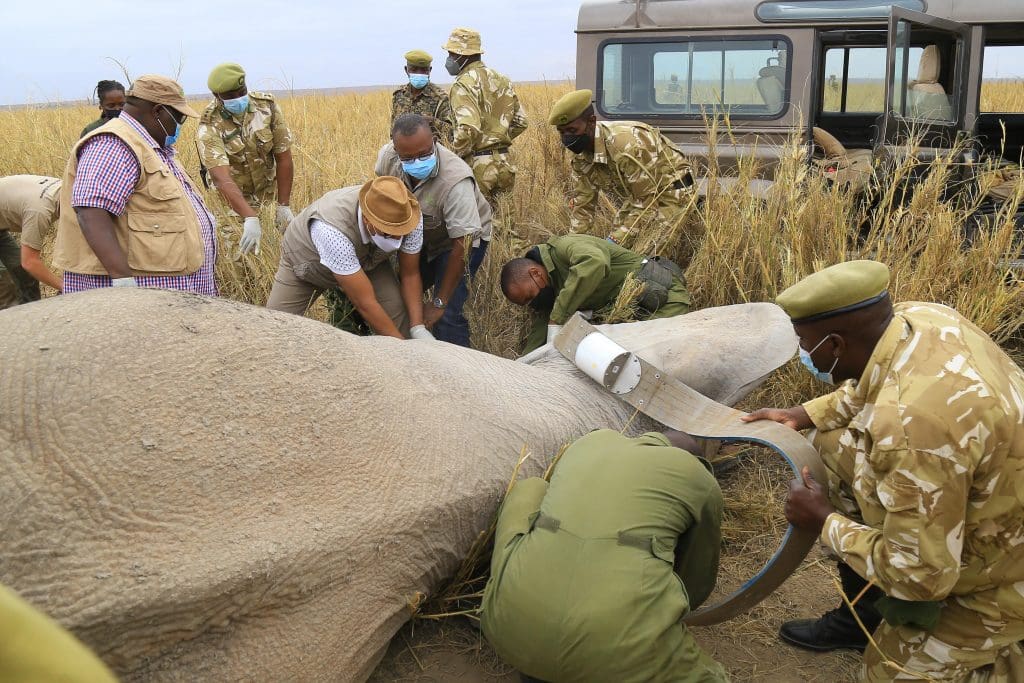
{"x": 106, "y": 175}
{"x": 212, "y": 153}
{"x": 461, "y": 215}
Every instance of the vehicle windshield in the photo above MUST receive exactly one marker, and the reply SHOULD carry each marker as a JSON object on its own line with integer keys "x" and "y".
{"x": 744, "y": 77}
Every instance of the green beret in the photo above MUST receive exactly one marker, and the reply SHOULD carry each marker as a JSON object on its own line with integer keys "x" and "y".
{"x": 570, "y": 107}
{"x": 225, "y": 78}
{"x": 418, "y": 58}
{"x": 837, "y": 289}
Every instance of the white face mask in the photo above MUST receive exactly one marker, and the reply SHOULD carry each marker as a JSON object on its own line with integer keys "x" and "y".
{"x": 385, "y": 243}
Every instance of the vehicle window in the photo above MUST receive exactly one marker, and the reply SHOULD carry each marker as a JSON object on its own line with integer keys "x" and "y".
{"x": 922, "y": 85}
{"x": 692, "y": 78}
{"x": 1002, "y": 89}
{"x": 863, "y": 90}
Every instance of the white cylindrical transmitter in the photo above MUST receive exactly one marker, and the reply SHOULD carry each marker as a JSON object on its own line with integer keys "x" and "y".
{"x": 607, "y": 363}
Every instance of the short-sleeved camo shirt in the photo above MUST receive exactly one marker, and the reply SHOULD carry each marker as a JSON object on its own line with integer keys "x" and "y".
{"x": 246, "y": 143}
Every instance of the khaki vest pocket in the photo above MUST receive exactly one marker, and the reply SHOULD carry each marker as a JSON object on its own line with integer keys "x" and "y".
{"x": 156, "y": 242}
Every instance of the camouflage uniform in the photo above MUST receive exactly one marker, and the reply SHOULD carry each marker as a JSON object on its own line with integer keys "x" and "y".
{"x": 430, "y": 102}
{"x": 639, "y": 164}
{"x": 247, "y": 144}
{"x": 924, "y": 456}
{"x": 488, "y": 117}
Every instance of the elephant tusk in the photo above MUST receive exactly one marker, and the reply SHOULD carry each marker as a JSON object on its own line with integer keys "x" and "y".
{"x": 676, "y": 405}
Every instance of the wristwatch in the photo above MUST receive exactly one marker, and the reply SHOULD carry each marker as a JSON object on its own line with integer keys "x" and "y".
{"x": 438, "y": 302}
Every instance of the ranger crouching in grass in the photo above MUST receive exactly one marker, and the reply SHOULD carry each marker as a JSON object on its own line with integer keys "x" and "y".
{"x": 585, "y": 273}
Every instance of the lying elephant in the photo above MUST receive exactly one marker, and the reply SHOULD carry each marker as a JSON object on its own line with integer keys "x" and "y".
{"x": 200, "y": 489}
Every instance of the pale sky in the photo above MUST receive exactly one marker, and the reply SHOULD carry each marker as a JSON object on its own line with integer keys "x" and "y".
{"x": 57, "y": 50}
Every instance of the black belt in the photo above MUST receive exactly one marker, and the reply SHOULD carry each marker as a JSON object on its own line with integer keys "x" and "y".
{"x": 499, "y": 150}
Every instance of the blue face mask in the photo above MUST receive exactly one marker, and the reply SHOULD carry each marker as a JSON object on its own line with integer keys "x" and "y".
{"x": 170, "y": 139}
{"x": 419, "y": 81}
{"x": 422, "y": 167}
{"x": 805, "y": 358}
{"x": 237, "y": 105}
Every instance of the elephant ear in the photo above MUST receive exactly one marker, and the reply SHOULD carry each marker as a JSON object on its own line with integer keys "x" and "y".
{"x": 724, "y": 353}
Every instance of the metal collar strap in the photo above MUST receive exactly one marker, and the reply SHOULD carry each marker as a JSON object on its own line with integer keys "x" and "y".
{"x": 676, "y": 405}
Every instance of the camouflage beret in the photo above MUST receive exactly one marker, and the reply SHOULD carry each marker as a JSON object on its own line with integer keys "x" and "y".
{"x": 225, "y": 78}
{"x": 837, "y": 289}
{"x": 418, "y": 58}
{"x": 570, "y": 106}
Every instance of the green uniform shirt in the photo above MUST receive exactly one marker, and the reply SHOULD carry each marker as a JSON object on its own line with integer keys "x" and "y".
{"x": 926, "y": 468}
{"x": 92, "y": 126}
{"x": 587, "y": 273}
{"x": 635, "y": 162}
{"x": 430, "y": 102}
{"x": 246, "y": 143}
{"x": 582, "y": 585}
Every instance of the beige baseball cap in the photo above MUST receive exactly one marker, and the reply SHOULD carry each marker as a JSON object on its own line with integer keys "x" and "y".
{"x": 161, "y": 90}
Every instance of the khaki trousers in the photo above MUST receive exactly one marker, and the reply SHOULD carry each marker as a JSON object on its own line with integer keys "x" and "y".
{"x": 294, "y": 295}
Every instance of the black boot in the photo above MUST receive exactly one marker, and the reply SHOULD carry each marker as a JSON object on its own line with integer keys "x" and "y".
{"x": 837, "y": 629}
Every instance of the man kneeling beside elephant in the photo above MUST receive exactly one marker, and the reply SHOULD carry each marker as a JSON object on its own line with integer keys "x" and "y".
{"x": 583, "y": 580}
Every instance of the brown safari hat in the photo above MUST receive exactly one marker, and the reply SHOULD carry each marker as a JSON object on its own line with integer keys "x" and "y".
{"x": 389, "y": 206}
{"x": 161, "y": 90}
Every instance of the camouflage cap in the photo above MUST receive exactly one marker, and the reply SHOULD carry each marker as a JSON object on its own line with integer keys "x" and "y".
{"x": 161, "y": 90}
{"x": 464, "y": 41}
{"x": 226, "y": 77}
{"x": 389, "y": 206}
{"x": 418, "y": 58}
{"x": 570, "y": 107}
{"x": 837, "y": 289}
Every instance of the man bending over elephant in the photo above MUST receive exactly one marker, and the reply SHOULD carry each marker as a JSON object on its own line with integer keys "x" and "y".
{"x": 583, "y": 580}
{"x": 344, "y": 240}
{"x": 582, "y": 272}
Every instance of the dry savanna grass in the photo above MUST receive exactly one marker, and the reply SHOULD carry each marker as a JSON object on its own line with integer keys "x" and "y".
{"x": 751, "y": 250}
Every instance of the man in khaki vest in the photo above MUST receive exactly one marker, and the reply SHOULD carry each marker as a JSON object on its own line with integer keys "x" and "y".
{"x": 456, "y": 220}
{"x": 343, "y": 241}
{"x": 129, "y": 214}
{"x": 28, "y": 205}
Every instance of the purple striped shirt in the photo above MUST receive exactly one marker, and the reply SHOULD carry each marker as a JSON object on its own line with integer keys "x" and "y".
{"x": 106, "y": 177}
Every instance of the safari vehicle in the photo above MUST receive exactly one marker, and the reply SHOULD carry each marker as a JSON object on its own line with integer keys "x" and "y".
{"x": 865, "y": 73}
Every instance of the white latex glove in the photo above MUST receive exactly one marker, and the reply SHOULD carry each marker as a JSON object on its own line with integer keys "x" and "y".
{"x": 284, "y": 217}
{"x": 124, "y": 282}
{"x": 251, "y": 233}
{"x": 420, "y": 332}
{"x": 552, "y": 331}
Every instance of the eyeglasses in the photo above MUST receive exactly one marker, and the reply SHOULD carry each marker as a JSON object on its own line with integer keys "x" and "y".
{"x": 178, "y": 117}
{"x": 423, "y": 158}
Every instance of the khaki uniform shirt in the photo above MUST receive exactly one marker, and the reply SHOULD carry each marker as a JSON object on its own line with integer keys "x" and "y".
{"x": 633, "y": 161}
{"x": 246, "y": 143}
{"x": 486, "y": 111}
{"x": 430, "y": 102}
{"x": 927, "y": 474}
{"x": 29, "y": 204}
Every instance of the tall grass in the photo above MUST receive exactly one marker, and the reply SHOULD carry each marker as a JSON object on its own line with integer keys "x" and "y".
{"x": 751, "y": 249}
